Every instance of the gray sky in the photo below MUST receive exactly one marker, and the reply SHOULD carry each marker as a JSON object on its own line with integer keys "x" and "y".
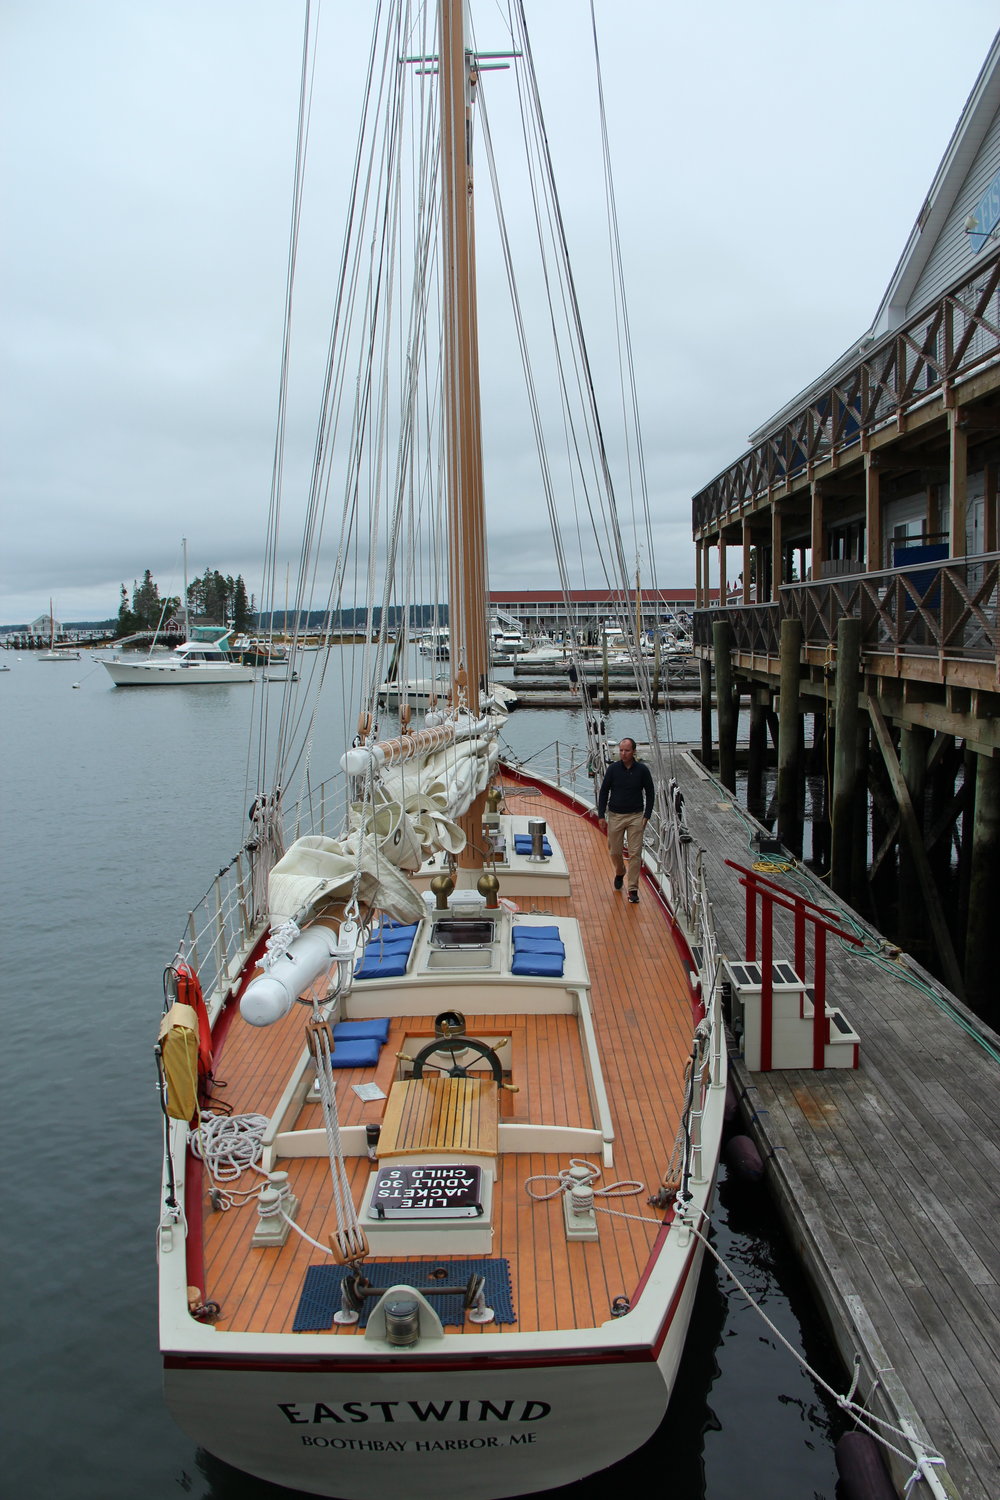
{"x": 769, "y": 163}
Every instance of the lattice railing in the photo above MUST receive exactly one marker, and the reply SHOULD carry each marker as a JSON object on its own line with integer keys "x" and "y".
{"x": 948, "y": 609}
{"x": 948, "y": 340}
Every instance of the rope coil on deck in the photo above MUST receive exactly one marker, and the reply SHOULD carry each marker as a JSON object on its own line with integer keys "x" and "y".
{"x": 571, "y": 1179}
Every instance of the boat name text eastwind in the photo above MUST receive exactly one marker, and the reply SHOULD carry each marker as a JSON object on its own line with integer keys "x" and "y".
{"x": 424, "y": 1411}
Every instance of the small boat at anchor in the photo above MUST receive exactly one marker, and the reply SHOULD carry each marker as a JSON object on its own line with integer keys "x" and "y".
{"x": 193, "y": 662}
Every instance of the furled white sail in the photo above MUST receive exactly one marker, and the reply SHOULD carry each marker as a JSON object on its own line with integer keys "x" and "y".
{"x": 408, "y": 816}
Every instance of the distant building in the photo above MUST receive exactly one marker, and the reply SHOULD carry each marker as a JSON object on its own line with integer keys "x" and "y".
{"x": 548, "y": 610}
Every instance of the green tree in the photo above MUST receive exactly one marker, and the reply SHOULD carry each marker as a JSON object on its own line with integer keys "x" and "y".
{"x": 146, "y": 603}
{"x": 241, "y": 605}
{"x": 126, "y": 619}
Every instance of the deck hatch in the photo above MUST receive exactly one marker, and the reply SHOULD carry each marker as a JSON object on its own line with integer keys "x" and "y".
{"x": 462, "y": 932}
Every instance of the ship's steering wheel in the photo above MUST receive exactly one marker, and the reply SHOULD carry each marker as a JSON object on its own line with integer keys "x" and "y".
{"x": 455, "y": 1045}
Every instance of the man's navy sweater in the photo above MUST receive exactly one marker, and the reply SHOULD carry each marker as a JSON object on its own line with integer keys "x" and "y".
{"x": 626, "y": 789}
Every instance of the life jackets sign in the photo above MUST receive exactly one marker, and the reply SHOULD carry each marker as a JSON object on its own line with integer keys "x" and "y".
{"x": 179, "y": 1052}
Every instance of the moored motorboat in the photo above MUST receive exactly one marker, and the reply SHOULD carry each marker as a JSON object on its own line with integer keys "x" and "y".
{"x": 192, "y": 662}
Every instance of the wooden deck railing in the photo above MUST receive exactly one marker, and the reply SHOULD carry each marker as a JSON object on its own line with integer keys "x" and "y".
{"x": 947, "y": 609}
{"x": 957, "y": 334}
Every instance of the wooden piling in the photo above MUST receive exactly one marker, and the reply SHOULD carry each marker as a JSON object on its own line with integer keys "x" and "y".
{"x": 914, "y": 740}
{"x": 845, "y": 765}
{"x": 789, "y": 737}
{"x": 757, "y": 753}
{"x": 725, "y": 702}
{"x": 707, "y": 739}
{"x": 984, "y": 892}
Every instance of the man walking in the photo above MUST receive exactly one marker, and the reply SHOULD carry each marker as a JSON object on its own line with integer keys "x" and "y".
{"x": 624, "y": 807}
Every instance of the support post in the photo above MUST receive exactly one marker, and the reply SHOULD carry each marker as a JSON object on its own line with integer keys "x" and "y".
{"x": 725, "y": 702}
{"x": 958, "y": 464}
{"x": 984, "y": 892}
{"x": 873, "y": 515}
{"x": 845, "y": 764}
{"x": 789, "y": 738}
{"x": 913, "y": 743}
{"x": 757, "y": 757}
{"x": 817, "y": 534}
{"x": 777, "y": 552}
{"x": 935, "y": 915}
{"x": 705, "y": 679}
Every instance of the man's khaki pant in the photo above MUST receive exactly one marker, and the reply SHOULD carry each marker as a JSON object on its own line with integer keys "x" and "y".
{"x": 628, "y": 827}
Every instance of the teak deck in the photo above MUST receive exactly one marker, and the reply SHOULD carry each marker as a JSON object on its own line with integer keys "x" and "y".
{"x": 641, "y": 1002}
{"x": 889, "y": 1176}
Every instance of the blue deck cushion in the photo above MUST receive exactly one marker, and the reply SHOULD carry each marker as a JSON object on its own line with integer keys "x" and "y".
{"x": 387, "y": 952}
{"x": 374, "y": 1029}
{"x": 527, "y": 935}
{"x": 384, "y": 963}
{"x": 522, "y": 844}
{"x": 544, "y": 945}
{"x": 545, "y": 965}
{"x": 358, "y": 1053}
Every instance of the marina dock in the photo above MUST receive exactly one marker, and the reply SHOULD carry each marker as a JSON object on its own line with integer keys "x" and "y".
{"x": 675, "y": 683}
{"x": 888, "y": 1176}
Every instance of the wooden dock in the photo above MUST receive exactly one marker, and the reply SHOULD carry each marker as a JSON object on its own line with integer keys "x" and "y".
{"x": 889, "y": 1176}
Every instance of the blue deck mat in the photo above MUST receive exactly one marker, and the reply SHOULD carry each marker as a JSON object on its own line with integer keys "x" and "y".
{"x": 320, "y": 1297}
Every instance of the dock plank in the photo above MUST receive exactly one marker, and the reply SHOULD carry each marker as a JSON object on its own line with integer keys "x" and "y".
{"x": 889, "y": 1175}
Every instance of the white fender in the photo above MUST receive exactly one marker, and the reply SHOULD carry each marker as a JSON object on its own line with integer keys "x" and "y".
{"x": 273, "y": 992}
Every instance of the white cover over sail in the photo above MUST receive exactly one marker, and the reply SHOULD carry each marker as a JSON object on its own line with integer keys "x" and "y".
{"x": 411, "y": 816}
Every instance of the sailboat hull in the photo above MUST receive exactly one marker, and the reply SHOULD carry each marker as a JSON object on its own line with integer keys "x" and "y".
{"x": 482, "y": 1428}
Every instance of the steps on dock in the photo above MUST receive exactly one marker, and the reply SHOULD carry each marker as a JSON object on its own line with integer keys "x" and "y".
{"x": 777, "y": 1025}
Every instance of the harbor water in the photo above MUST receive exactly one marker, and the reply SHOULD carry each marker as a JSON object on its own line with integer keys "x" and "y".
{"x": 119, "y": 806}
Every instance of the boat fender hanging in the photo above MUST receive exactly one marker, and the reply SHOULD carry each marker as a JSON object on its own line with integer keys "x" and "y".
{"x": 862, "y": 1470}
{"x": 743, "y": 1159}
{"x": 178, "y": 1041}
{"x": 270, "y": 996}
{"x": 731, "y": 1110}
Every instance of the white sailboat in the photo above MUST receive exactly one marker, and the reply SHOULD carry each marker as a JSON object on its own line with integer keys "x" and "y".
{"x": 463, "y": 1247}
{"x": 54, "y": 654}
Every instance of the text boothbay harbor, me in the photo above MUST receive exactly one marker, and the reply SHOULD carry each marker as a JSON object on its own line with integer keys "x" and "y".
{"x": 319, "y": 1412}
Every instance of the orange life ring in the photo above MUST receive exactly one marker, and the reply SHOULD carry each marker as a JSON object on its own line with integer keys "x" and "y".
{"x": 189, "y": 993}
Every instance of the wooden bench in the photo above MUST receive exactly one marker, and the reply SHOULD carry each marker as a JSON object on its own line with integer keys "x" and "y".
{"x": 459, "y": 1115}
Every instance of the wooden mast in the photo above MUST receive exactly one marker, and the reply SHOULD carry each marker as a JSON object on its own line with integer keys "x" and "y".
{"x": 467, "y": 584}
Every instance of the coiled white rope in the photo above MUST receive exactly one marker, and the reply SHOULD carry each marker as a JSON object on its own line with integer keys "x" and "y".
{"x": 569, "y": 1179}
{"x": 229, "y": 1145}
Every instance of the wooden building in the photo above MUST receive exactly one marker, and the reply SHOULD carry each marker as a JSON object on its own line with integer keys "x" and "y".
{"x": 863, "y": 520}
